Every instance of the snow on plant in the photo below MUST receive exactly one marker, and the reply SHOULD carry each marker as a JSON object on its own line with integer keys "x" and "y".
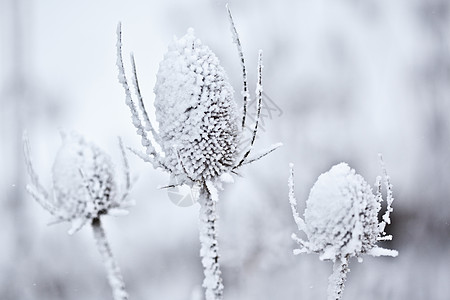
{"x": 85, "y": 187}
{"x": 341, "y": 220}
{"x": 199, "y": 130}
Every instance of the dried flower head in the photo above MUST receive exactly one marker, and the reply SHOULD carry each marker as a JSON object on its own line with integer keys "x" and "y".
{"x": 341, "y": 216}
{"x": 199, "y": 131}
{"x": 84, "y": 183}
{"x": 341, "y": 220}
{"x": 195, "y": 111}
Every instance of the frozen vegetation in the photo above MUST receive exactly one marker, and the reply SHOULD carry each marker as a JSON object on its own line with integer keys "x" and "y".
{"x": 341, "y": 221}
{"x": 199, "y": 131}
{"x": 343, "y": 81}
{"x": 85, "y": 187}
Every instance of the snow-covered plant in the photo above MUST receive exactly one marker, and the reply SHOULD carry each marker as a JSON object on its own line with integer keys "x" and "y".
{"x": 85, "y": 187}
{"x": 341, "y": 220}
{"x": 199, "y": 130}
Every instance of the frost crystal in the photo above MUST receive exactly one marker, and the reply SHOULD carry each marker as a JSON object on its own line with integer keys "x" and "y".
{"x": 84, "y": 183}
{"x": 196, "y": 111}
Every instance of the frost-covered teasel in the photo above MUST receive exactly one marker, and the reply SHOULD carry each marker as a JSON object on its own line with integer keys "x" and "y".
{"x": 198, "y": 126}
{"x": 341, "y": 220}
{"x": 341, "y": 216}
{"x": 199, "y": 130}
{"x": 85, "y": 187}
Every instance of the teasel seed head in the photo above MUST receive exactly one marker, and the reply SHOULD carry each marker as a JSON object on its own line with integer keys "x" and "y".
{"x": 85, "y": 184}
{"x": 198, "y": 125}
{"x": 341, "y": 216}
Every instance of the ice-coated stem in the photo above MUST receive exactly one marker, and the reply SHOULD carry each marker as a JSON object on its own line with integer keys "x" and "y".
{"x": 258, "y": 91}
{"x": 237, "y": 41}
{"x": 293, "y": 201}
{"x": 337, "y": 279}
{"x": 389, "y": 196}
{"x": 209, "y": 250}
{"x": 112, "y": 269}
{"x": 148, "y": 123}
{"x": 140, "y": 130}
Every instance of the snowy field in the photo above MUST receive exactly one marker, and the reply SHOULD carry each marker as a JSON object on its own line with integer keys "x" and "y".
{"x": 343, "y": 81}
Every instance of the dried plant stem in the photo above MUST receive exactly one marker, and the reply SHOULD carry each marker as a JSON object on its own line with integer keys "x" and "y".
{"x": 209, "y": 247}
{"x": 337, "y": 278}
{"x": 112, "y": 269}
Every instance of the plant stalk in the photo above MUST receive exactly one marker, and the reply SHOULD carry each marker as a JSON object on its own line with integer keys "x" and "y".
{"x": 209, "y": 250}
{"x": 112, "y": 269}
{"x": 337, "y": 278}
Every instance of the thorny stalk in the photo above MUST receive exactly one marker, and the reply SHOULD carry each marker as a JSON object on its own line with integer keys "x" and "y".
{"x": 112, "y": 269}
{"x": 140, "y": 130}
{"x": 209, "y": 246}
{"x": 337, "y": 278}
{"x": 236, "y": 40}
{"x": 259, "y": 90}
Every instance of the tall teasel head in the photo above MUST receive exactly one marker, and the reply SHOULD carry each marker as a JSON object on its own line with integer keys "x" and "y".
{"x": 199, "y": 130}
{"x": 341, "y": 216}
{"x": 198, "y": 124}
{"x": 85, "y": 184}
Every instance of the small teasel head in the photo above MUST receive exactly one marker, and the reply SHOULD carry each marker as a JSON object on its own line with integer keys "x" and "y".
{"x": 198, "y": 125}
{"x": 85, "y": 184}
{"x": 83, "y": 179}
{"x": 341, "y": 216}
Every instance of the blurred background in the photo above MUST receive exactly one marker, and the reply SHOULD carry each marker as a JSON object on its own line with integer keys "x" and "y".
{"x": 343, "y": 81}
